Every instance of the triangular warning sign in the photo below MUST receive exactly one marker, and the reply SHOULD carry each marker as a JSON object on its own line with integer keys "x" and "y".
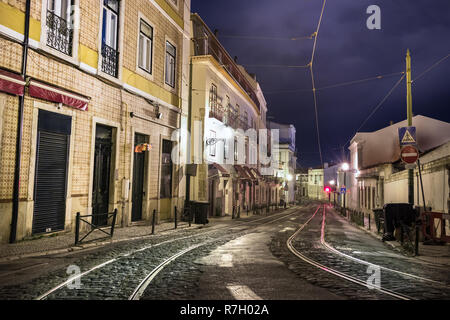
{"x": 408, "y": 138}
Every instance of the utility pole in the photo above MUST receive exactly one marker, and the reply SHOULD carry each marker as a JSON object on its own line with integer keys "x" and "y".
{"x": 409, "y": 114}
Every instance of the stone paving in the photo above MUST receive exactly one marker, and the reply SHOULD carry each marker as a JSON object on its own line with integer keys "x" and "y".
{"x": 64, "y": 242}
{"x": 358, "y": 244}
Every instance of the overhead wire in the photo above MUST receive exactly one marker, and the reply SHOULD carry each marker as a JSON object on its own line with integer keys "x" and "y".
{"x": 266, "y": 38}
{"x": 377, "y": 107}
{"x": 340, "y": 84}
{"x": 276, "y": 65}
{"x": 430, "y": 68}
{"x": 316, "y": 34}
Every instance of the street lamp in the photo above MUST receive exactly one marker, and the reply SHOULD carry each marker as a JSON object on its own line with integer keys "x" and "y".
{"x": 332, "y": 184}
{"x": 345, "y": 167}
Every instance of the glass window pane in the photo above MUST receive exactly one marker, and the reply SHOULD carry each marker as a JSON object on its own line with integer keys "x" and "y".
{"x": 141, "y": 51}
{"x": 146, "y": 29}
{"x": 149, "y": 55}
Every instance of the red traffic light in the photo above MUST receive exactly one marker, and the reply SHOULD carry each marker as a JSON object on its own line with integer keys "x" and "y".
{"x": 327, "y": 189}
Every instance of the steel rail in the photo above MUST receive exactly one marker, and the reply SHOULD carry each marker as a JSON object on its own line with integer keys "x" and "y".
{"x": 103, "y": 264}
{"x": 140, "y": 289}
{"x": 334, "y": 250}
{"x": 335, "y": 272}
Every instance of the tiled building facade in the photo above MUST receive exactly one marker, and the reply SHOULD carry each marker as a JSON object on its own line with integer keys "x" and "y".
{"x": 120, "y": 70}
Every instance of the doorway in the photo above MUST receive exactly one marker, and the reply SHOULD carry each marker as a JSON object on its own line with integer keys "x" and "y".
{"x": 138, "y": 178}
{"x": 102, "y": 175}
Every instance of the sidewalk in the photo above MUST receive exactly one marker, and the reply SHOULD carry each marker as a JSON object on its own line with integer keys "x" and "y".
{"x": 64, "y": 242}
{"x": 434, "y": 254}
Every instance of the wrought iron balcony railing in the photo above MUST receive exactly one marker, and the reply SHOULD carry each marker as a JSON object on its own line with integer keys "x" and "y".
{"x": 110, "y": 60}
{"x": 216, "y": 112}
{"x": 59, "y": 33}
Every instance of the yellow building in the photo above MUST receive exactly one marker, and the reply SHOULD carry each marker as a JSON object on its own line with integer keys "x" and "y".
{"x": 102, "y": 78}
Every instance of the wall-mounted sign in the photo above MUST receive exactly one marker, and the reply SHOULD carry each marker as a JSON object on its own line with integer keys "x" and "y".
{"x": 143, "y": 147}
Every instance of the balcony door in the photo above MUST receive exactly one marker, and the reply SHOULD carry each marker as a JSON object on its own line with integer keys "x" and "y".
{"x": 59, "y": 25}
{"x": 110, "y": 31}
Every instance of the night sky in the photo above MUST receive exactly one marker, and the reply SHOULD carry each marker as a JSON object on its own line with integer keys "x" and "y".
{"x": 346, "y": 50}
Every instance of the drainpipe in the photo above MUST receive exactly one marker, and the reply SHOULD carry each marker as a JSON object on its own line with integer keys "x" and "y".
{"x": 15, "y": 207}
{"x": 188, "y": 178}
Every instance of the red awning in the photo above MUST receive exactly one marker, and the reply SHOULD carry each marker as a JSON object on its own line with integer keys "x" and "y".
{"x": 251, "y": 175}
{"x": 242, "y": 173}
{"x": 11, "y": 83}
{"x": 47, "y": 92}
{"x": 256, "y": 173}
{"x": 224, "y": 173}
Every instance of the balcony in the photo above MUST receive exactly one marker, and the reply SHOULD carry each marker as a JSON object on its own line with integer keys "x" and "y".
{"x": 59, "y": 34}
{"x": 216, "y": 112}
{"x": 110, "y": 60}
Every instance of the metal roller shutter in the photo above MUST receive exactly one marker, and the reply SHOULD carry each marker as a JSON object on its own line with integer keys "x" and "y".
{"x": 50, "y": 179}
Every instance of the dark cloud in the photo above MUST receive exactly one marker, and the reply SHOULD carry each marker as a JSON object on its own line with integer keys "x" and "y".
{"x": 346, "y": 51}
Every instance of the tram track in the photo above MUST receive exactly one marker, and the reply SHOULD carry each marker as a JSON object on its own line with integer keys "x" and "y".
{"x": 346, "y": 267}
{"x": 193, "y": 242}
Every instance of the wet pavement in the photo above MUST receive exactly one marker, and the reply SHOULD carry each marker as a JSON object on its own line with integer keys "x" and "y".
{"x": 246, "y": 259}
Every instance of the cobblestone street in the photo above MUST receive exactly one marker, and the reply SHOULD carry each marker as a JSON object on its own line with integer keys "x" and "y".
{"x": 245, "y": 259}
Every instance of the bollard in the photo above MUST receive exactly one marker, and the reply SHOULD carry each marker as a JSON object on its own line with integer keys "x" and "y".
{"x": 153, "y": 221}
{"x": 239, "y": 212}
{"x": 77, "y": 228}
{"x": 113, "y": 222}
{"x": 190, "y": 216}
{"x": 175, "y": 217}
{"x": 232, "y": 212}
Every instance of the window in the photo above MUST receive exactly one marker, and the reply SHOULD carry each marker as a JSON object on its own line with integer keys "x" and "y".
{"x": 235, "y": 149}
{"x": 110, "y": 28}
{"x": 213, "y": 99}
{"x": 59, "y": 25}
{"x": 225, "y": 149}
{"x": 166, "y": 170}
{"x": 212, "y": 147}
{"x": 170, "y": 64}
{"x": 145, "y": 46}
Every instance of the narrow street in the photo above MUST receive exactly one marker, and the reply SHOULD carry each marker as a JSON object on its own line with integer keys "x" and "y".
{"x": 307, "y": 252}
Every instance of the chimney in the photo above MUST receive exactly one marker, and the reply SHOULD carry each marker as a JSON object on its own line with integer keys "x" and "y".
{"x": 216, "y": 33}
{"x": 235, "y": 59}
{"x": 391, "y": 122}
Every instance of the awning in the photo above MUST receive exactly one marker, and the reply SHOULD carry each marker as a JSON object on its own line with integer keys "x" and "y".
{"x": 242, "y": 173}
{"x": 47, "y": 92}
{"x": 256, "y": 173}
{"x": 250, "y": 173}
{"x": 219, "y": 169}
{"x": 11, "y": 83}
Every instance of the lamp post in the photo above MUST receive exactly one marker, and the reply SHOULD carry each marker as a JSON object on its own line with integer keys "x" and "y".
{"x": 345, "y": 168}
{"x": 332, "y": 184}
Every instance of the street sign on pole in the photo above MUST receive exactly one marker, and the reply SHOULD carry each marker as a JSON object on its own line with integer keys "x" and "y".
{"x": 409, "y": 154}
{"x": 343, "y": 189}
{"x": 407, "y": 136}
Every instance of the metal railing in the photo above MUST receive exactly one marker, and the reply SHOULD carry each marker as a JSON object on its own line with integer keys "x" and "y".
{"x": 94, "y": 227}
{"x": 59, "y": 33}
{"x": 110, "y": 60}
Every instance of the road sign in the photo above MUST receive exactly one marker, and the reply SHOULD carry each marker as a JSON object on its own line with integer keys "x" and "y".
{"x": 409, "y": 154}
{"x": 343, "y": 190}
{"x": 407, "y": 136}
